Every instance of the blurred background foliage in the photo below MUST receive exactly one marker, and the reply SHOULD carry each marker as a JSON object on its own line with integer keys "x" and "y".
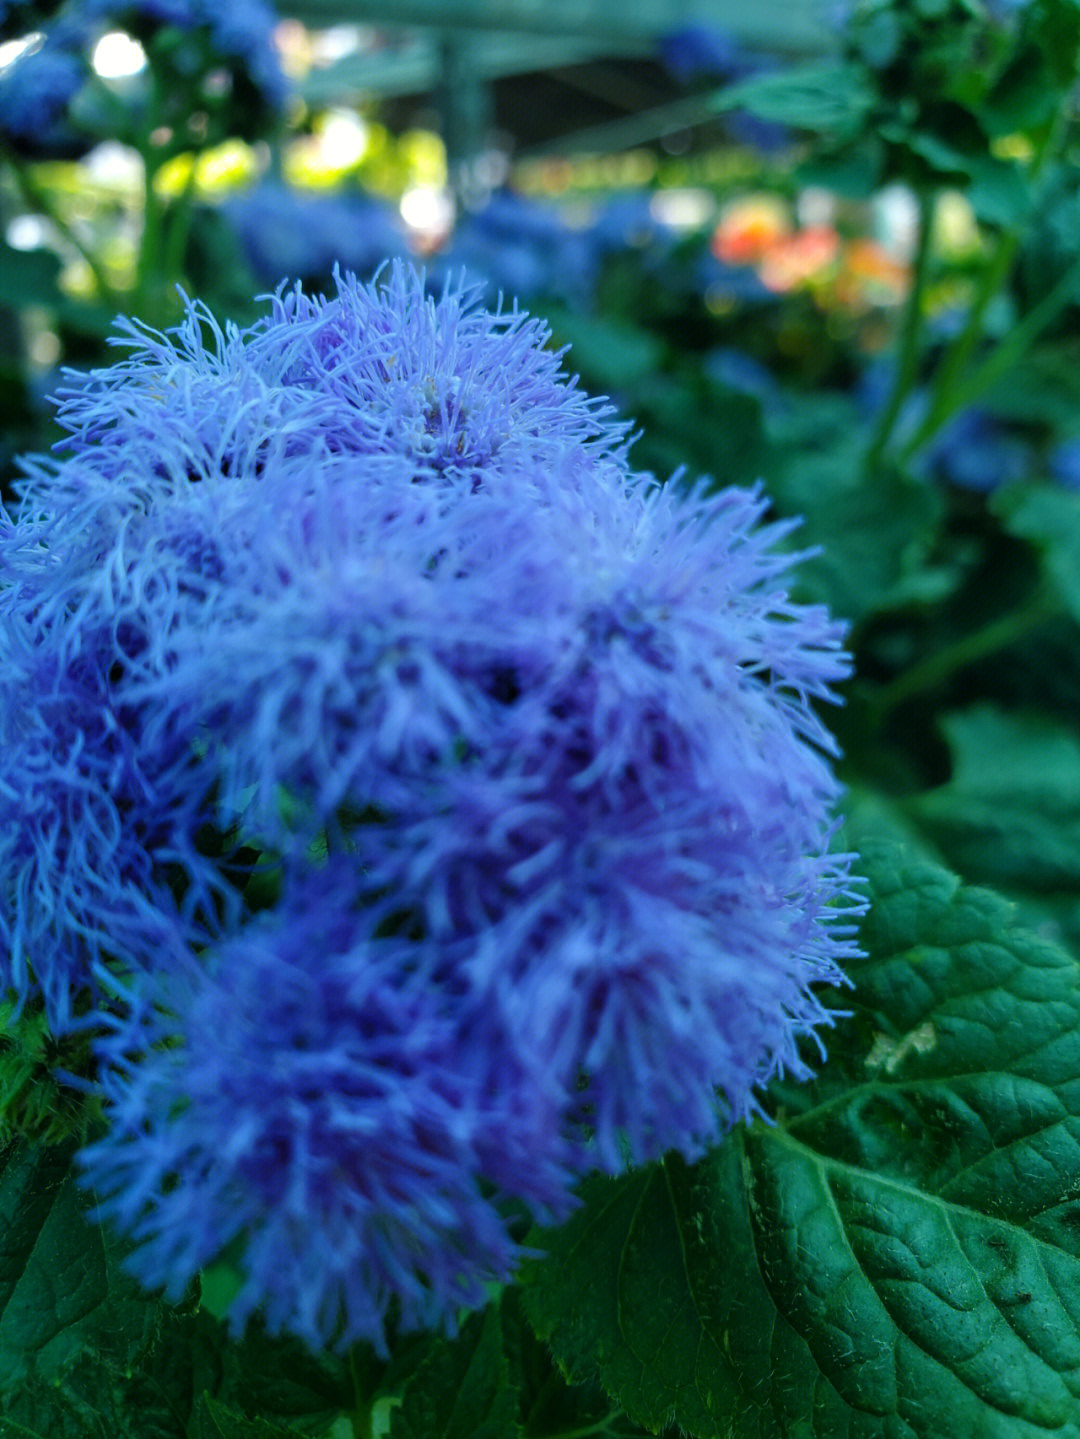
{"x": 831, "y": 245}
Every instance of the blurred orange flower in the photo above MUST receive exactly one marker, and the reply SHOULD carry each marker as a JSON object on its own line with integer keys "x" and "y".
{"x": 749, "y": 227}
{"x": 871, "y": 276}
{"x": 795, "y": 259}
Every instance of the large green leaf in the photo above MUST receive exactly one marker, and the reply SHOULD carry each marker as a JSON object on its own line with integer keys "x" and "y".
{"x": 61, "y": 1288}
{"x": 85, "y": 1351}
{"x": 1046, "y": 390}
{"x": 1010, "y": 812}
{"x": 1049, "y": 517}
{"x": 874, "y": 535}
{"x": 28, "y": 277}
{"x": 214, "y": 1420}
{"x": 831, "y": 98}
{"x": 898, "y": 1255}
{"x": 609, "y": 354}
{"x": 463, "y": 1389}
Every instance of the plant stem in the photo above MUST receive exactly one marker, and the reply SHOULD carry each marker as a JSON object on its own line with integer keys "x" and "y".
{"x": 1002, "y": 358}
{"x": 179, "y": 228}
{"x": 960, "y": 350}
{"x": 949, "y": 394}
{"x": 150, "y": 244}
{"x": 997, "y": 635}
{"x": 360, "y": 1419}
{"x": 38, "y": 198}
{"x": 911, "y": 327}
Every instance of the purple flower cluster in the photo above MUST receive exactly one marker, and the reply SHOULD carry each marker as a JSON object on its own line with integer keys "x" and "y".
{"x": 434, "y": 808}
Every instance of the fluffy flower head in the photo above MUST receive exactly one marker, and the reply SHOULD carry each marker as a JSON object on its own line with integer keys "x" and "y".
{"x": 362, "y": 692}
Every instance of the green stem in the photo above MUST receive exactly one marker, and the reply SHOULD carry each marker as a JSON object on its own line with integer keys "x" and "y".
{"x": 910, "y": 330}
{"x": 360, "y": 1418}
{"x": 179, "y": 228}
{"x": 148, "y": 267}
{"x": 39, "y": 199}
{"x": 938, "y": 667}
{"x": 949, "y": 393}
{"x": 1001, "y": 359}
{"x": 150, "y": 244}
{"x": 959, "y": 352}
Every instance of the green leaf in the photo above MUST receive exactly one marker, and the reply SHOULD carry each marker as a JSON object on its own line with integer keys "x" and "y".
{"x": 899, "y": 1254}
{"x": 1010, "y": 813}
{"x": 830, "y": 99}
{"x": 875, "y": 536}
{"x": 941, "y": 152}
{"x": 1023, "y": 97}
{"x": 61, "y": 1288}
{"x": 690, "y": 420}
{"x": 33, "y": 1104}
{"x": 610, "y": 354}
{"x": 28, "y": 277}
{"x": 1049, "y": 517}
{"x": 214, "y": 1420}
{"x": 85, "y": 1351}
{"x": 463, "y": 1389}
{"x": 999, "y": 192}
{"x": 1045, "y": 390}
{"x": 881, "y": 39}
{"x": 279, "y": 1377}
{"x": 548, "y": 1404}
{"x": 853, "y": 171}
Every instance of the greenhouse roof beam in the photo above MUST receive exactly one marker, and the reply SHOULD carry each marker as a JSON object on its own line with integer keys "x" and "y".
{"x": 416, "y": 64}
{"x": 785, "y": 25}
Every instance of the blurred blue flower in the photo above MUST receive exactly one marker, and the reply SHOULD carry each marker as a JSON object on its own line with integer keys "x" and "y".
{"x": 1064, "y": 463}
{"x": 977, "y": 452}
{"x": 734, "y": 283}
{"x": 627, "y": 221}
{"x": 240, "y": 31}
{"x": 35, "y": 92}
{"x": 1005, "y": 9}
{"x": 520, "y": 247}
{"x": 696, "y": 50}
{"x": 765, "y": 136}
{"x": 974, "y": 450}
{"x": 522, "y": 748}
{"x": 289, "y": 235}
{"x": 701, "y": 51}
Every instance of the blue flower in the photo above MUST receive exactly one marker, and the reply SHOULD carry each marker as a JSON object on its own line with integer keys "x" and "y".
{"x": 1005, "y": 9}
{"x": 1064, "y": 463}
{"x": 519, "y": 246}
{"x": 35, "y": 92}
{"x": 697, "y": 50}
{"x": 288, "y": 235}
{"x": 240, "y": 31}
{"x": 973, "y": 450}
{"x": 977, "y": 452}
{"x": 475, "y": 777}
{"x": 335, "y": 1127}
